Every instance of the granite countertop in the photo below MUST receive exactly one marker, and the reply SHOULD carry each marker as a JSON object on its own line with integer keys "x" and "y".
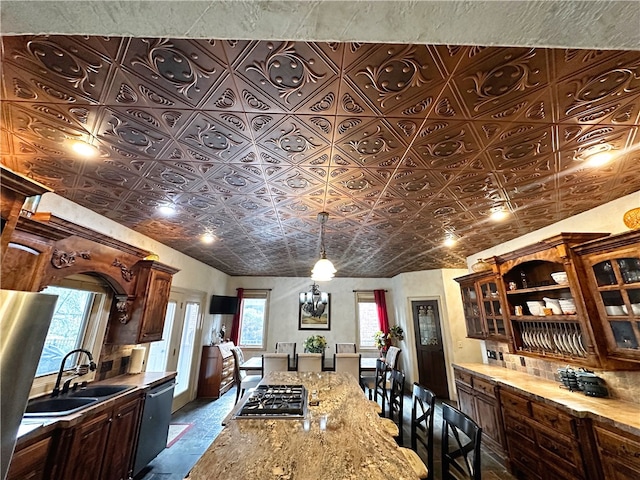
{"x": 354, "y": 445}
{"x": 617, "y": 413}
{"x": 32, "y": 427}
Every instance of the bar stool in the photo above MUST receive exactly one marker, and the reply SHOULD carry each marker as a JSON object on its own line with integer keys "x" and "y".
{"x": 422, "y": 413}
{"x": 396, "y": 401}
{"x": 463, "y": 455}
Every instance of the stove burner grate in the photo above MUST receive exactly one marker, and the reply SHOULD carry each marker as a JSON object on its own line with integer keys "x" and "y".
{"x": 276, "y": 400}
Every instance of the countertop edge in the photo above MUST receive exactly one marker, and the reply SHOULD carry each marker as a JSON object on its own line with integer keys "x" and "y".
{"x": 617, "y": 414}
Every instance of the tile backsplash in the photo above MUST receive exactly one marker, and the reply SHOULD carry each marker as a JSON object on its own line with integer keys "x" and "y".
{"x": 114, "y": 361}
{"x": 623, "y": 385}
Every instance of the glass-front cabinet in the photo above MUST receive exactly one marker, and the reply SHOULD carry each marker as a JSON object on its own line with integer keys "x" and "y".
{"x": 612, "y": 266}
{"x": 482, "y": 302}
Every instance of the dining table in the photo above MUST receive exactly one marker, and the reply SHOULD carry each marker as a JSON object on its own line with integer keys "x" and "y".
{"x": 339, "y": 437}
{"x": 367, "y": 364}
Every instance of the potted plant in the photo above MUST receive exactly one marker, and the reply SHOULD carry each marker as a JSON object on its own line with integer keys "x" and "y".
{"x": 384, "y": 340}
{"x": 315, "y": 344}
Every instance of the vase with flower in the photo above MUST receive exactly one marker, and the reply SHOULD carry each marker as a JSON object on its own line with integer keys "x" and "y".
{"x": 385, "y": 340}
{"x": 315, "y": 344}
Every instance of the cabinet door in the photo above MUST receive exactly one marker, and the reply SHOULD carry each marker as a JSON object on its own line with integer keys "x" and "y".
{"x": 152, "y": 321}
{"x": 87, "y": 448}
{"x": 489, "y": 418}
{"x": 465, "y": 401}
{"x": 118, "y": 455}
{"x": 30, "y": 463}
{"x": 492, "y": 308}
{"x": 473, "y": 319}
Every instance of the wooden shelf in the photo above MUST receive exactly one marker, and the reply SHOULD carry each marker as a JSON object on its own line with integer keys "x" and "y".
{"x": 545, "y": 318}
{"x": 544, "y": 288}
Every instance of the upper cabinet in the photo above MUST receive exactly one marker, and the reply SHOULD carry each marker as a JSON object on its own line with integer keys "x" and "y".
{"x": 574, "y": 298}
{"x": 611, "y": 267}
{"x": 483, "y": 306}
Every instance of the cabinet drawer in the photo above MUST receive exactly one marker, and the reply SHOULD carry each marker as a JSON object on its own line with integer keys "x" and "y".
{"x": 552, "y": 418}
{"x": 515, "y": 403}
{"x": 483, "y": 386}
{"x": 525, "y": 466}
{"x": 626, "y": 449}
{"x": 560, "y": 451}
{"x": 615, "y": 469}
{"x": 462, "y": 377}
{"x": 520, "y": 428}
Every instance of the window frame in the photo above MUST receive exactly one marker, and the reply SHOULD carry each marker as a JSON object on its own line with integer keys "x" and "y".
{"x": 95, "y": 330}
{"x": 364, "y": 297}
{"x": 255, "y": 294}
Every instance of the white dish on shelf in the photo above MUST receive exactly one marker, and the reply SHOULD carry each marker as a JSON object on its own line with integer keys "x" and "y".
{"x": 535, "y": 307}
{"x": 568, "y": 306}
{"x": 614, "y": 309}
{"x": 560, "y": 278}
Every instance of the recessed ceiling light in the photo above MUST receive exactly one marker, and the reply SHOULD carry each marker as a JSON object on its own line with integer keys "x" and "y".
{"x": 599, "y": 159}
{"x": 208, "y": 238}
{"x": 167, "y": 210}
{"x": 450, "y": 241}
{"x": 499, "y": 214}
{"x": 84, "y": 149}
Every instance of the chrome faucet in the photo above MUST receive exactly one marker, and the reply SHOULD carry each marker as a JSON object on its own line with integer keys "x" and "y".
{"x": 79, "y": 370}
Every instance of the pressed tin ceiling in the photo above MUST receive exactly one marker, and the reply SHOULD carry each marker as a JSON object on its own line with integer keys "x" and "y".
{"x": 250, "y": 140}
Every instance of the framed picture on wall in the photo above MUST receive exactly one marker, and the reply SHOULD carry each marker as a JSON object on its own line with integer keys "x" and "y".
{"x": 315, "y": 320}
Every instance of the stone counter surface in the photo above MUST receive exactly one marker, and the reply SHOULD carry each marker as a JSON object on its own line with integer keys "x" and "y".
{"x": 617, "y": 413}
{"x": 354, "y": 445}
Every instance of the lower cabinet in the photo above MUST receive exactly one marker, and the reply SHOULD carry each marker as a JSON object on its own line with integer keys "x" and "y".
{"x": 102, "y": 446}
{"x": 543, "y": 442}
{"x": 619, "y": 453}
{"x": 33, "y": 461}
{"x": 478, "y": 398}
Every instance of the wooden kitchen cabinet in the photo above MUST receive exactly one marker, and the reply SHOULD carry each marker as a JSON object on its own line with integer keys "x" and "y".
{"x": 618, "y": 453}
{"x": 543, "y": 442}
{"x": 612, "y": 270}
{"x": 33, "y": 461}
{"x": 145, "y": 319}
{"x": 102, "y": 446}
{"x": 479, "y": 398}
{"x": 216, "y": 370}
{"x": 483, "y": 300}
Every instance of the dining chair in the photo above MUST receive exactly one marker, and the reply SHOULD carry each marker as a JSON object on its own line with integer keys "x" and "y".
{"x": 242, "y": 380}
{"x": 392, "y": 357}
{"x": 460, "y": 445}
{"x": 346, "y": 348}
{"x": 348, "y": 363}
{"x": 396, "y": 401}
{"x": 275, "y": 362}
{"x": 377, "y": 384}
{"x": 287, "y": 347}
{"x": 309, "y": 362}
{"x": 422, "y": 413}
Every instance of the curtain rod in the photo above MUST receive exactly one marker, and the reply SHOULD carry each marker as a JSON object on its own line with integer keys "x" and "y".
{"x": 256, "y": 289}
{"x": 356, "y": 291}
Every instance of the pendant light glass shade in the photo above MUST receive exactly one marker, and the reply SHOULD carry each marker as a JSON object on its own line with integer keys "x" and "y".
{"x": 323, "y": 270}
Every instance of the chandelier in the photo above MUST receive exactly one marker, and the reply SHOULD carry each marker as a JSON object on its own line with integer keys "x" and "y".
{"x": 314, "y": 302}
{"x": 323, "y": 270}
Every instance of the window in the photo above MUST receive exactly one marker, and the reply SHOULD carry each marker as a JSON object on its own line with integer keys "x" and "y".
{"x": 253, "y": 318}
{"x": 79, "y": 321}
{"x": 368, "y": 323}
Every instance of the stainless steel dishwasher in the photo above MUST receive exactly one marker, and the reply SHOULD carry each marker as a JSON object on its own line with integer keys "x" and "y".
{"x": 154, "y": 429}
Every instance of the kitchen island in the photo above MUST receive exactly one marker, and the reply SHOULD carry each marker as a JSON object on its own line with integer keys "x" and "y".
{"x": 353, "y": 446}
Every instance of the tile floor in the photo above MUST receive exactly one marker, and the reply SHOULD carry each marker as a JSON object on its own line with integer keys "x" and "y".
{"x": 175, "y": 462}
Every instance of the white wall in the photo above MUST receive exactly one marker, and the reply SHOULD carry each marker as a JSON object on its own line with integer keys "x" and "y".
{"x": 605, "y": 218}
{"x": 284, "y": 307}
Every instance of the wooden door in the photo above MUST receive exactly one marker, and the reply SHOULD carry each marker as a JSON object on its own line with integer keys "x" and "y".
{"x": 430, "y": 350}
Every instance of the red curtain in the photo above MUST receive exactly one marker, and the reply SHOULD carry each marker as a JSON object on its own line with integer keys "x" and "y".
{"x": 381, "y": 305}
{"x": 235, "y": 326}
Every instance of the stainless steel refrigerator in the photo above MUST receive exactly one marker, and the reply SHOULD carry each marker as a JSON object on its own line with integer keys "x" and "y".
{"x": 24, "y": 321}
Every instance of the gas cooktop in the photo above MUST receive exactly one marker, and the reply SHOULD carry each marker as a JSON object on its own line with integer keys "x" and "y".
{"x": 275, "y": 401}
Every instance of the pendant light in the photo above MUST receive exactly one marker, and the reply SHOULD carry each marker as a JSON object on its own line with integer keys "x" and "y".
{"x": 323, "y": 270}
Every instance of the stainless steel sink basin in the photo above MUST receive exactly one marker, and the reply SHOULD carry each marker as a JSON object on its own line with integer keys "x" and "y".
{"x": 100, "y": 391}
{"x": 58, "y": 406}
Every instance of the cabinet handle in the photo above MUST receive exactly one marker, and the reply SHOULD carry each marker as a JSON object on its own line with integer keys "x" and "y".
{"x": 119, "y": 415}
{"x": 110, "y": 420}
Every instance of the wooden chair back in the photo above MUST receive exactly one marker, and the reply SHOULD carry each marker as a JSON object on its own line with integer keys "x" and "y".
{"x": 460, "y": 445}
{"x": 422, "y": 414}
{"x": 396, "y": 400}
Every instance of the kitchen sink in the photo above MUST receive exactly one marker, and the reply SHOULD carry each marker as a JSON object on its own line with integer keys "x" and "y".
{"x": 58, "y": 406}
{"x": 100, "y": 391}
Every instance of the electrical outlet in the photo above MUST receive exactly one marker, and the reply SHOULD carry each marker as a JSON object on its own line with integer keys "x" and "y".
{"x": 501, "y": 356}
{"x": 522, "y": 362}
{"x": 492, "y": 354}
{"x": 459, "y": 343}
